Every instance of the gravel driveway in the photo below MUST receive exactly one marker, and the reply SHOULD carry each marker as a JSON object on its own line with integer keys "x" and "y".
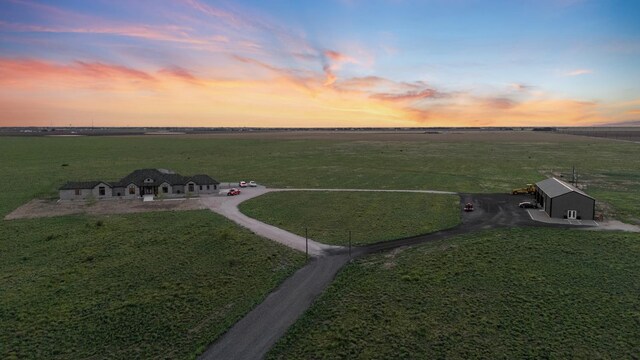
{"x": 227, "y": 206}
{"x": 258, "y": 331}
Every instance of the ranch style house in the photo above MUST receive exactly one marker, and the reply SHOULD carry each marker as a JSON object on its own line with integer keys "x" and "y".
{"x": 154, "y": 182}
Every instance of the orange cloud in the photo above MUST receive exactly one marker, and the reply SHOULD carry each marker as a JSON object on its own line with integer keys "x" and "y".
{"x": 31, "y": 73}
{"x": 331, "y": 77}
{"x": 472, "y": 111}
{"x": 333, "y": 62}
{"x": 39, "y": 92}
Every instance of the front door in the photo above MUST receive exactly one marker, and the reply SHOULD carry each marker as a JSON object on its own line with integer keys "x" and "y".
{"x": 572, "y": 214}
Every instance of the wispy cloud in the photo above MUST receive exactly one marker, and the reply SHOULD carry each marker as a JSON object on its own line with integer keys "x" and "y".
{"x": 521, "y": 87}
{"x": 168, "y": 33}
{"x": 226, "y": 16}
{"x": 35, "y": 68}
{"x": 578, "y": 72}
{"x": 232, "y": 63}
{"x": 333, "y": 60}
{"x": 180, "y": 73}
{"x": 409, "y": 96}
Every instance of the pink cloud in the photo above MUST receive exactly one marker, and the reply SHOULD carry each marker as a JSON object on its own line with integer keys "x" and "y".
{"x": 333, "y": 62}
{"x": 30, "y": 72}
{"x": 179, "y": 73}
{"x": 101, "y": 70}
{"x": 338, "y": 57}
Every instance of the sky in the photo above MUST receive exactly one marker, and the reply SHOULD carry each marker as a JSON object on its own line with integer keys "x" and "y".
{"x": 321, "y": 63}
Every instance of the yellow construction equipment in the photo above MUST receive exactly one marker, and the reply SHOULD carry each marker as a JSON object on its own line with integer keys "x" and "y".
{"x": 529, "y": 189}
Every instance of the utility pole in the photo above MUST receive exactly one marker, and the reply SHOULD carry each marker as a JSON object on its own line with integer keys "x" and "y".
{"x": 575, "y": 178}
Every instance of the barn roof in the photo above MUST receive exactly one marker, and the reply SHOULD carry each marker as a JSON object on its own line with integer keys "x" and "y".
{"x": 554, "y": 187}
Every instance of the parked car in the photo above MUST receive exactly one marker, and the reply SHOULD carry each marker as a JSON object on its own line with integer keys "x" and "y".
{"x": 243, "y": 184}
{"x": 527, "y": 205}
{"x": 468, "y": 207}
{"x": 233, "y": 191}
{"x": 252, "y": 183}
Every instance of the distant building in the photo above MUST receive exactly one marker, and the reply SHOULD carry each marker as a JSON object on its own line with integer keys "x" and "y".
{"x": 562, "y": 200}
{"x": 156, "y": 182}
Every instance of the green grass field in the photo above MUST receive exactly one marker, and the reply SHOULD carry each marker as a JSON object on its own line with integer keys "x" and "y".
{"x": 155, "y": 285}
{"x": 512, "y": 294}
{"x": 128, "y": 288}
{"x": 370, "y": 216}
{"x": 480, "y": 163}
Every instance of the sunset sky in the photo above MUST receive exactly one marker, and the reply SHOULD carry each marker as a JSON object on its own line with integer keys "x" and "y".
{"x": 319, "y": 63}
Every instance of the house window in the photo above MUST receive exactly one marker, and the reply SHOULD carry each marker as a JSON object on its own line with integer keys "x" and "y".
{"x": 101, "y": 191}
{"x": 165, "y": 189}
{"x": 77, "y": 191}
{"x": 200, "y": 187}
{"x": 191, "y": 188}
{"x": 132, "y": 190}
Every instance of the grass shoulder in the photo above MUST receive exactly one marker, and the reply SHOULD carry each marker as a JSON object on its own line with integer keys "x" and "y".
{"x": 370, "y": 216}
{"x": 518, "y": 293}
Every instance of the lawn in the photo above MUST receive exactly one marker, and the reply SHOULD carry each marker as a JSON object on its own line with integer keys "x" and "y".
{"x": 371, "y": 217}
{"x": 516, "y": 293}
{"x": 155, "y": 285}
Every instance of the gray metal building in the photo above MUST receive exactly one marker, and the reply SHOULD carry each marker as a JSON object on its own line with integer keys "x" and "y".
{"x": 562, "y": 200}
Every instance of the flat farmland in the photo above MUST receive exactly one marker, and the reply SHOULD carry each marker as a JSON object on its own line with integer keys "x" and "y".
{"x": 152, "y": 285}
{"x": 81, "y": 273}
{"x": 461, "y": 162}
{"x": 508, "y": 294}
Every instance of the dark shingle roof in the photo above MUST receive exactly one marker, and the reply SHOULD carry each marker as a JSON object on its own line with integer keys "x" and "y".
{"x": 554, "y": 188}
{"x": 72, "y": 185}
{"x": 138, "y": 177}
{"x": 203, "y": 179}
